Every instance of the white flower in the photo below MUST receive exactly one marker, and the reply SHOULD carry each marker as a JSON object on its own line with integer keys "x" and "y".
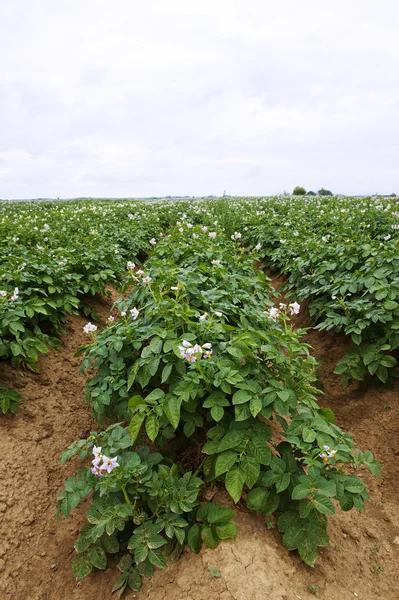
{"x": 387, "y": 237}
{"x": 134, "y": 313}
{"x": 212, "y": 234}
{"x": 216, "y": 262}
{"x": 218, "y": 314}
{"x": 203, "y": 317}
{"x": 189, "y": 225}
{"x": 139, "y": 272}
{"x": 236, "y": 235}
{"x": 273, "y": 313}
{"x": 294, "y": 308}
{"x": 258, "y": 247}
{"x": 123, "y": 313}
{"x": 195, "y": 235}
{"x": 130, "y": 264}
{"x": 111, "y": 319}
{"x": 181, "y": 229}
{"x": 186, "y": 344}
{"x": 147, "y": 279}
{"x": 174, "y": 288}
{"x": 153, "y": 241}
{"x": 197, "y": 349}
{"x": 15, "y": 294}
{"x": 282, "y": 306}
{"x": 204, "y": 228}
{"x": 3, "y": 293}
{"x": 89, "y": 328}
{"x": 207, "y": 346}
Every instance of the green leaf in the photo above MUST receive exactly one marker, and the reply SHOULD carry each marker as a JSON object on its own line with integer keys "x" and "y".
{"x": 300, "y": 491}
{"x": 251, "y": 467}
{"x": 157, "y": 558}
{"x": 256, "y": 498}
{"x": 226, "y": 531}
{"x": 215, "y": 513}
{"x": 166, "y": 371}
{"x": 194, "y": 539}
{"x": 135, "y": 426}
{"x": 255, "y": 405}
{"x": 209, "y": 536}
{"x": 152, "y": 426}
{"x": 234, "y": 483}
{"x": 81, "y": 565}
{"x": 241, "y": 396}
{"x": 282, "y": 482}
{"x": 308, "y": 551}
{"x": 217, "y": 413}
{"x": 225, "y": 461}
{"x": 308, "y": 435}
{"x": 323, "y": 504}
{"x": 98, "y": 558}
{"x": 171, "y": 408}
{"x": 156, "y": 345}
{"x": 134, "y": 580}
{"x": 232, "y": 439}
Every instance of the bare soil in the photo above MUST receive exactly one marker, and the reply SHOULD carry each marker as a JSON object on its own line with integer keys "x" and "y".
{"x": 362, "y": 560}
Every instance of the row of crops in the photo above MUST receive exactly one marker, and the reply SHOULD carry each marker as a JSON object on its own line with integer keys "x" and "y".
{"x": 203, "y": 368}
{"x": 202, "y": 378}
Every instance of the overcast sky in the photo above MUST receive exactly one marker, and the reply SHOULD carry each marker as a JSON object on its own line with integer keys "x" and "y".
{"x": 186, "y": 97}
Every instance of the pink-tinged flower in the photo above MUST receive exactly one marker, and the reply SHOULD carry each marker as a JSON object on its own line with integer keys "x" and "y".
{"x": 207, "y": 346}
{"x": 191, "y": 358}
{"x": 139, "y": 272}
{"x": 204, "y": 228}
{"x": 186, "y": 344}
{"x": 197, "y": 349}
{"x": 258, "y": 247}
{"x": 294, "y": 308}
{"x": 109, "y": 463}
{"x": 212, "y": 235}
{"x": 203, "y": 317}
{"x": 207, "y": 354}
{"x": 96, "y": 451}
{"x": 96, "y": 471}
{"x": 147, "y": 279}
{"x": 111, "y": 319}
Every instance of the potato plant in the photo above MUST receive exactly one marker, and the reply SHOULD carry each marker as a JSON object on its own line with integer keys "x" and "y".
{"x": 204, "y": 367}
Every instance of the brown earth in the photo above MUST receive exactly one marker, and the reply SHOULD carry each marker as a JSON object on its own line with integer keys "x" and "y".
{"x": 362, "y": 560}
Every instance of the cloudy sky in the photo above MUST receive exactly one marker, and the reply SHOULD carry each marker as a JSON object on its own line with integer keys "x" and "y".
{"x": 186, "y": 97}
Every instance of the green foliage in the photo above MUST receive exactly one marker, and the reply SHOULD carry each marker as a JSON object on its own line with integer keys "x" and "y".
{"x": 299, "y": 191}
{"x": 9, "y": 400}
{"x": 201, "y": 370}
{"x": 324, "y": 192}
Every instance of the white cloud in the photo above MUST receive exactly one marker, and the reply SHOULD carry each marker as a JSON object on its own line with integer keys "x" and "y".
{"x": 131, "y": 99}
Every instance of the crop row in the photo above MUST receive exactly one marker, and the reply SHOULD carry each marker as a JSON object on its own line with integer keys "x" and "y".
{"x": 203, "y": 366}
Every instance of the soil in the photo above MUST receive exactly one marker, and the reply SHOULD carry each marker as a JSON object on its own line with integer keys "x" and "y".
{"x": 36, "y": 550}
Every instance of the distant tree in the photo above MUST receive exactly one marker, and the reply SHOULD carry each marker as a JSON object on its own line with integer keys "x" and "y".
{"x": 392, "y": 195}
{"x": 310, "y": 193}
{"x": 324, "y": 192}
{"x": 299, "y": 191}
